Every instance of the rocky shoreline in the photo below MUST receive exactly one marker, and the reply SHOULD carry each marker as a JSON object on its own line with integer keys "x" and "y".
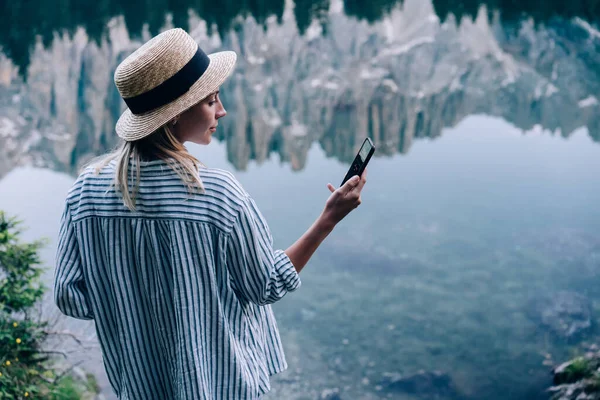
{"x": 579, "y": 378}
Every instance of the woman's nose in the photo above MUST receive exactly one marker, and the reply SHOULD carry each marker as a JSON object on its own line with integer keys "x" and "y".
{"x": 221, "y": 112}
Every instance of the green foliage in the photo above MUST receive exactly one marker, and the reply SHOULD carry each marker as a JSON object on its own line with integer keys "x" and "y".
{"x": 593, "y": 384}
{"x": 578, "y": 368}
{"x": 20, "y": 288}
{"x": 25, "y": 369}
{"x": 66, "y": 388}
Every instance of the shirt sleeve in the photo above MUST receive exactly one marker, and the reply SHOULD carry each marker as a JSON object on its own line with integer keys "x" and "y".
{"x": 258, "y": 273}
{"x": 70, "y": 289}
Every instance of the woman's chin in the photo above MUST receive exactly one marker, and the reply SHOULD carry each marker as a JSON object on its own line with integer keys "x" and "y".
{"x": 203, "y": 140}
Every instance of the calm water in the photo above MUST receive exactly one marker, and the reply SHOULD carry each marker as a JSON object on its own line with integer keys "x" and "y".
{"x": 483, "y": 195}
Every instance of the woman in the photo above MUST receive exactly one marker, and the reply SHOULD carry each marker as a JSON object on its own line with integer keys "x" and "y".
{"x": 173, "y": 260}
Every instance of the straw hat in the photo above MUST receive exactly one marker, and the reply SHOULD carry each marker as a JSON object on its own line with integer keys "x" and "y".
{"x": 164, "y": 77}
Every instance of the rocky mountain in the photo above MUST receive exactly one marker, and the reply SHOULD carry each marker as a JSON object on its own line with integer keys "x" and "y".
{"x": 402, "y": 78}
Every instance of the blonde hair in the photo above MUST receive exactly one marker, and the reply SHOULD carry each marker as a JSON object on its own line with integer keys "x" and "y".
{"x": 161, "y": 144}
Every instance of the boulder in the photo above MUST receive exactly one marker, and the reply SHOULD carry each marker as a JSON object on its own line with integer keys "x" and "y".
{"x": 425, "y": 384}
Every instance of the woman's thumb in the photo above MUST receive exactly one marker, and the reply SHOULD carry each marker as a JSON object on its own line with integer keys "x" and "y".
{"x": 351, "y": 183}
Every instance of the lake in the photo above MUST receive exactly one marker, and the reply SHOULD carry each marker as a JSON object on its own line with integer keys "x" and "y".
{"x": 482, "y": 198}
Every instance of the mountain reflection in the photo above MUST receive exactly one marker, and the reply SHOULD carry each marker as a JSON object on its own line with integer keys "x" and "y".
{"x": 313, "y": 71}
{"x": 26, "y": 20}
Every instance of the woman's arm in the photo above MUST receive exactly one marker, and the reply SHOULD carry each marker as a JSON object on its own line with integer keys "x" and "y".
{"x": 341, "y": 202}
{"x": 303, "y": 249}
{"x": 70, "y": 290}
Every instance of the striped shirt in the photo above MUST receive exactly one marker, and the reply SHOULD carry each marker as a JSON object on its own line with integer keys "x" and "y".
{"x": 180, "y": 289}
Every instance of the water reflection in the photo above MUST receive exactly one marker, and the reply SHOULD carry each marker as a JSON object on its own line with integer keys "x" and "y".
{"x": 308, "y": 72}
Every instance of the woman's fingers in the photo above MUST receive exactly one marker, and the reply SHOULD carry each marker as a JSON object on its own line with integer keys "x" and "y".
{"x": 355, "y": 183}
{"x": 363, "y": 180}
{"x": 350, "y": 185}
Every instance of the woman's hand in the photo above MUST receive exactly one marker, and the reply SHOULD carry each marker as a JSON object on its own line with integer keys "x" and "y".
{"x": 339, "y": 204}
{"x": 344, "y": 199}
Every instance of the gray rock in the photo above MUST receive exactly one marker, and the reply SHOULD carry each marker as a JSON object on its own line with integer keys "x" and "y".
{"x": 330, "y": 394}
{"x": 425, "y": 384}
{"x": 577, "y": 379}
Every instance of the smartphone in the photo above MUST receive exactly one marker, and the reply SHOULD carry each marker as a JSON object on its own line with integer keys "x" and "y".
{"x": 361, "y": 160}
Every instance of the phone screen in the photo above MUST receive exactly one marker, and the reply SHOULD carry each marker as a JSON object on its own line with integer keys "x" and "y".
{"x": 364, "y": 150}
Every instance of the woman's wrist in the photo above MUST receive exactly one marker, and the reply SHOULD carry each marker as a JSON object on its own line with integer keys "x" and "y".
{"x": 325, "y": 223}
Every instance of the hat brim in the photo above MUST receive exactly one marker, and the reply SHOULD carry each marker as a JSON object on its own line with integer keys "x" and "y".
{"x": 134, "y": 127}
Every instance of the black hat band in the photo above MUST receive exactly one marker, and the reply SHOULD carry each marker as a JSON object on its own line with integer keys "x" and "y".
{"x": 172, "y": 88}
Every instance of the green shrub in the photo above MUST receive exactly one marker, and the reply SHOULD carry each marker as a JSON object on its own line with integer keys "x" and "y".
{"x": 26, "y": 370}
{"x": 578, "y": 369}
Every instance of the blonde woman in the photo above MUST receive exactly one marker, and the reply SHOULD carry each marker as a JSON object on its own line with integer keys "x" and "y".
{"x": 172, "y": 260}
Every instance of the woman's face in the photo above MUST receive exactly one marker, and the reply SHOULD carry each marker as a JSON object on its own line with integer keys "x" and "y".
{"x": 198, "y": 123}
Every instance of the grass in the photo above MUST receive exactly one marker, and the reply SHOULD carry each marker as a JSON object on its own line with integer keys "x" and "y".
{"x": 578, "y": 369}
